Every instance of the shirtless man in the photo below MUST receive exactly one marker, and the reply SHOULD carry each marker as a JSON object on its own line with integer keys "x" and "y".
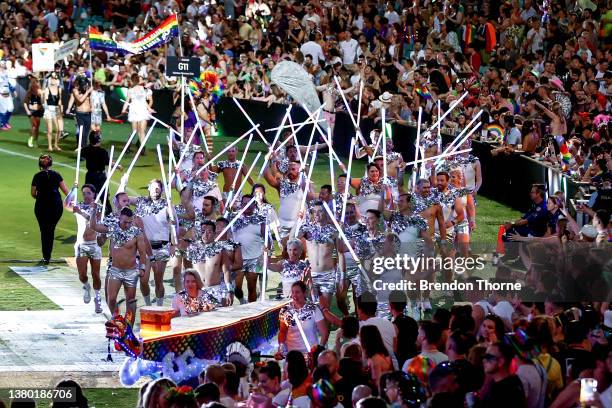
{"x": 229, "y": 168}
{"x": 200, "y": 186}
{"x": 369, "y": 244}
{"x": 127, "y": 240}
{"x": 249, "y": 231}
{"x": 464, "y": 213}
{"x": 428, "y": 207}
{"x": 410, "y": 228}
{"x": 86, "y": 247}
{"x": 212, "y": 262}
{"x": 321, "y": 238}
{"x": 82, "y": 100}
{"x": 290, "y": 192}
{"x": 353, "y": 276}
{"x": 153, "y": 211}
{"x": 330, "y": 94}
{"x": 558, "y": 125}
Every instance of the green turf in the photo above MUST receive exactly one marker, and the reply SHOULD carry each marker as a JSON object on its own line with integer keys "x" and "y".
{"x": 105, "y": 397}
{"x": 20, "y": 238}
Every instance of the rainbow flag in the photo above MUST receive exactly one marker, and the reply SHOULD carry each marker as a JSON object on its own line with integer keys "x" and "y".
{"x": 97, "y": 41}
{"x": 158, "y": 36}
{"x": 566, "y": 156}
{"x": 423, "y": 92}
{"x": 496, "y": 130}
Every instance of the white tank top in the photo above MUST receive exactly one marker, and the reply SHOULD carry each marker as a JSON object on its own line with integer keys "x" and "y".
{"x": 289, "y": 205}
{"x": 469, "y": 174}
{"x": 156, "y": 226}
{"x": 250, "y": 240}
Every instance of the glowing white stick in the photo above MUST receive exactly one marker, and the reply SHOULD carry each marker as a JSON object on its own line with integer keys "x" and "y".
{"x": 310, "y": 115}
{"x": 78, "y": 163}
{"x": 193, "y": 106}
{"x": 439, "y": 122}
{"x": 346, "y": 241}
{"x": 415, "y": 170}
{"x": 107, "y": 182}
{"x": 359, "y": 106}
{"x": 454, "y": 145}
{"x": 264, "y": 280}
{"x": 348, "y": 180}
{"x": 331, "y": 163}
{"x": 245, "y": 134}
{"x": 278, "y": 132}
{"x": 310, "y": 139}
{"x": 384, "y": 143}
{"x": 342, "y": 166}
{"x": 348, "y": 108}
{"x": 306, "y": 122}
{"x": 246, "y": 149}
{"x": 251, "y": 122}
{"x": 295, "y": 142}
{"x": 298, "y": 323}
{"x": 450, "y": 109}
{"x": 168, "y": 200}
{"x": 142, "y": 146}
{"x": 110, "y": 162}
{"x": 424, "y": 160}
{"x": 244, "y": 181}
{"x": 229, "y": 225}
{"x": 306, "y": 188}
{"x": 475, "y": 128}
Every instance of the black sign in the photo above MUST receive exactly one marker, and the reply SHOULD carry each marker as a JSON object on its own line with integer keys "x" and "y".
{"x": 177, "y": 66}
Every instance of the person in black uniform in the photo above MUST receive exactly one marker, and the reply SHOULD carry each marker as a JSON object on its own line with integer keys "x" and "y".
{"x": 34, "y": 108}
{"x": 48, "y": 208}
{"x": 96, "y": 159}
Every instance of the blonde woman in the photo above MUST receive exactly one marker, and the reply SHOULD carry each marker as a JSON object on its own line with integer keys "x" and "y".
{"x": 192, "y": 300}
{"x": 52, "y": 100}
{"x": 139, "y": 101}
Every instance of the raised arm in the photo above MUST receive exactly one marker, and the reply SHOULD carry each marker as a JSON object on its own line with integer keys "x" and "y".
{"x": 270, "y": 177}
{"x": 93, "y": 222}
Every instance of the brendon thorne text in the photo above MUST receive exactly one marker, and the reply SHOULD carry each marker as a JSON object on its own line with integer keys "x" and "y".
{"x": 455, "y": 285}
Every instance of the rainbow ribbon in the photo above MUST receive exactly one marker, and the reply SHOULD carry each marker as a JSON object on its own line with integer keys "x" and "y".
{"x": 160, "y": 35}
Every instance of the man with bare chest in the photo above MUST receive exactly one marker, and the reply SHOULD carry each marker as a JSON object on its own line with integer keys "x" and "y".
{"x": 229, "y": 168}
{"x": 321, "y": 238}
{"x": 210, "y": 259}
{"x": 127, "y": 240}
{"x": 428, "y": 207}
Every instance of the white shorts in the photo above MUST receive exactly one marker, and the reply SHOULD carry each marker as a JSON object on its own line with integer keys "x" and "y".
{"x": 96, "y": 117}
{"x": 50, "y": 112}
{"x": 89, "y": 249}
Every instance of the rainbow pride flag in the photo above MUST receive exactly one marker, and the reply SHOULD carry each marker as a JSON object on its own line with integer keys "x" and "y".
{"x": 423, "y": 92}
{"x": 566, "y": 156}
{"x": 98, "y": 41}
{"x": 496, "y": 130}
{"x": 158, "y": 36}
{"x": 467, "y": 36}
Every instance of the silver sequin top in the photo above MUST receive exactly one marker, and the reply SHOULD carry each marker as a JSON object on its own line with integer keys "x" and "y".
{"x": 229, "y": 245}
{"x": 183, "y": 222}
{"x": 256, "y": 218}
{"x": 202, "y": 188}
{"x": 399, "y": 222}
{"x": 146, "y": 206}
{"x": 288, "y": 187}
{"x": 293, "y": 270}
{"x": 321, "y": 234}
{"x": 200, "y": 252}
{"x": 423, "y": 203}
{"x": 288, "y": 312}
{"x": 194, "y": 305}
{"x": 366, "y": 247}
{"x": 226, "y": 164}
{"x": 367, "y": 187}
{"x": 119, "y": 236}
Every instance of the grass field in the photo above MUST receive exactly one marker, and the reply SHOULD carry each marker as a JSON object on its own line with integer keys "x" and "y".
{"x": 20, "y": 237}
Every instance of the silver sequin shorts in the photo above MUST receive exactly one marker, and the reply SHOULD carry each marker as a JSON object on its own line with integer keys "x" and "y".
{"x": 253, "y": 265}
{"x": 89, "y": 249}
{"x": 324, "y": 282}
{"x": 129, "y": 277}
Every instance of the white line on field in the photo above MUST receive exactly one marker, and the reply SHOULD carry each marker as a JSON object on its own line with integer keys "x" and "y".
{"x": 28, "y": 156}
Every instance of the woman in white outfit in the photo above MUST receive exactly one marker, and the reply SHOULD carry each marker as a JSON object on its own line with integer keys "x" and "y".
{"x": 98, "y": 106}
{"x": 139, "y": 101}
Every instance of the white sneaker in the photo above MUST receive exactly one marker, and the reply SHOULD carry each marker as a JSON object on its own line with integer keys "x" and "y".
{"x": 159, "y": 301}
{"x": 87, "y": 293}
{"x": 98, "y": 303}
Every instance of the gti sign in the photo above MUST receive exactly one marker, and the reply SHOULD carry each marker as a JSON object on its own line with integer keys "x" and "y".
{"x": 177, "y": 66}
